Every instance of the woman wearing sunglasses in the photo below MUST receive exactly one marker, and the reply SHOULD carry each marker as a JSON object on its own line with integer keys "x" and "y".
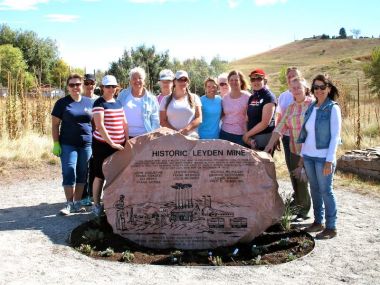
{"x": 181, "y": 110}
{"x": 290, "y": 124}
{"x": 260, "y": 112}
{"x": 71, "y": 132}
{"x": 320, "y": 136}
{"x": 224, "y": 88}
{"x": 110, "y": 134}
{"x": 140, "y": 106}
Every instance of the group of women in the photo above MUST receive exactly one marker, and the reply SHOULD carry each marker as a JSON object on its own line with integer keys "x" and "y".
{"x": 227, "y": 111}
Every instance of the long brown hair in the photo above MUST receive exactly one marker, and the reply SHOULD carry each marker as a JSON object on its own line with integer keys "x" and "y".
{"x": 334, "y": 93}
{"x": 243, "y": 82}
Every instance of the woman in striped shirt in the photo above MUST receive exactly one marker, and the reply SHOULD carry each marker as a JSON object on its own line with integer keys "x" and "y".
{"x": 110, "y": 134}
{"x": 292, "y": 122}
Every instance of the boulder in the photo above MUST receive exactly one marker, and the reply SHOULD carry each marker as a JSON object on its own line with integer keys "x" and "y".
{"x": 166, "y": 190}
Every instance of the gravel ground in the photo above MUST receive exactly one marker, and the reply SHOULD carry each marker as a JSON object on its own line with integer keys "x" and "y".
{"x": 33, "y": 247}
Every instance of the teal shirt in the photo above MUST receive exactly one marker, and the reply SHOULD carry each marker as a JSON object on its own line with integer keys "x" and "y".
{"x": 211, "y": 113}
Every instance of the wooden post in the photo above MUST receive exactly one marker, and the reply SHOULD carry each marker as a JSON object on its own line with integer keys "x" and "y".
{"x": 358, "y": 137}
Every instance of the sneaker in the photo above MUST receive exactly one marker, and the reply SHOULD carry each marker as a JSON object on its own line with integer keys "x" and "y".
{"x": 78, "y": 208}
{"x": 86, "y": 201}
{"x": 69, "y": 208}
{"x": 97, "y": 210}
{"x": 314, "y": 227}
{"x": 327, "y": 234}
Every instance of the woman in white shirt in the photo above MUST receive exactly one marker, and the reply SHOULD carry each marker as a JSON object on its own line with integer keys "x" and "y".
{"x": 320, "y": 136}
{"x": 181, "y": 110}
{"x": 140, "y": 106}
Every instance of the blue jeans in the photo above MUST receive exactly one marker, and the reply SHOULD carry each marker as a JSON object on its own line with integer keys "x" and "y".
{"x": 74, "y": 162}
{"x": 321, "y": 188}
{"x": 231, "y": 137}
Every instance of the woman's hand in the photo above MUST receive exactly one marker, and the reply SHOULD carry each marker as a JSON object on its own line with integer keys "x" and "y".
{"x": 327, "y": 169}
{"x": 117, "y": 146}
{"x": 184, "y": 131}
{"x": 269, "y": 148}
{"x": 246, "y": 138}
{"x": 300, "y": 162}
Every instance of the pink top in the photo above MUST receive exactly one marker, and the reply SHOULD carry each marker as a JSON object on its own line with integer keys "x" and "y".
{"x": 292, "y": 121}
{"x": 235, "y": 110}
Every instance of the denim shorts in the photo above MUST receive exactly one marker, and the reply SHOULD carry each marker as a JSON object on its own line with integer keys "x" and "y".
{"x": 74, "y": 162}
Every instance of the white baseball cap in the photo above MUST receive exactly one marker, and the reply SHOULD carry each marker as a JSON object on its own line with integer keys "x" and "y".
{"x": 166, "y": 74}
{"x": 181, "y": 73}
{"x": 109, "y": 80}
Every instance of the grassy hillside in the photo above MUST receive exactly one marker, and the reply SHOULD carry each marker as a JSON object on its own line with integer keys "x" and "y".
{"x": 341, "y": 59}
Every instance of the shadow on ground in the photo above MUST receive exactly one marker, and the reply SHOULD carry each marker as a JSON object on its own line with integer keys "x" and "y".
{"x": 43, "y": 217}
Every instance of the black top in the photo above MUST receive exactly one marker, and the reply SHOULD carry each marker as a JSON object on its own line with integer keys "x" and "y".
{"x": 255, "y": 109}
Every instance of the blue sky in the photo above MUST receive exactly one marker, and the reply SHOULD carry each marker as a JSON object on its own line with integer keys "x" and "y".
{"x": 92, "y": 33}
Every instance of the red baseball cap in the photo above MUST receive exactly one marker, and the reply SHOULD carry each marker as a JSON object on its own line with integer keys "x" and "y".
{"x": 257, "y": 73}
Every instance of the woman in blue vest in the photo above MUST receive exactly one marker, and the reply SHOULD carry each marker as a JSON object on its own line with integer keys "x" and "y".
{"x": 320, "y": 136}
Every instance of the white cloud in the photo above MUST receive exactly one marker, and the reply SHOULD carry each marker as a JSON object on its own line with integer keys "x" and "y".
{"x": 62, "y": 18}
{"x": 147, "y": 1}
{"x": 21, "y": 5}
{"x": 232, "y": 3}
{"x": 268, "y": 2}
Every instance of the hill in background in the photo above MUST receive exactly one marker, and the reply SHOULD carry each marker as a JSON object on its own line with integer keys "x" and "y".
{"x": 342, "y": 59}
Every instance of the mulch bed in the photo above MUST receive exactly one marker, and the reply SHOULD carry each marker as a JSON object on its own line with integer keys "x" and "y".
{"x": 96, "y": 239}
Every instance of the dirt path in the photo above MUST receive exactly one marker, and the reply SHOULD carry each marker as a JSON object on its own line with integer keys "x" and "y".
{"x": 33, "y": 248}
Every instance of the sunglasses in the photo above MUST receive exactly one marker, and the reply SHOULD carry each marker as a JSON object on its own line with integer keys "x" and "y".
{"x": 182, "y": 79}
{"x": 72, "y": 85}
{"x": 222, "y": 84}
{"x": 253, "y": 79}
{"x": 110, "y": 86}
{"x": 322, "y": 87}
{"x": 89, "y": 83}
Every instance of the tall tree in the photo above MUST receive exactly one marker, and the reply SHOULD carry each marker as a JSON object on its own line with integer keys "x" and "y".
{"x": 372, "y": 71}
{"x": 356, "y": 33}
{"x": 11, "y": 62}
{"x": 145, "y": 57}
{"x": 342, "y": 33}
{"x": 60, "y": 72}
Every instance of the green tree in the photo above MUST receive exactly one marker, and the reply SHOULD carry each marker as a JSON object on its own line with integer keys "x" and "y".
{"x": 372, "y": 71}
{"x": 145, "y": 57}
{"x": 11, "y": 62}
{"x": 39, "y": 54}
{"x": 59, "y": 73}
{"x": 283, "y": 80}
{"x": 218, "y": 66}
{"x": 198, "y": 70}
{"x": 342, "y": 33}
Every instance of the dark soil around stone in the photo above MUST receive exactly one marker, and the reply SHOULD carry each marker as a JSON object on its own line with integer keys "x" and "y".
{"x": 96, "y": 239}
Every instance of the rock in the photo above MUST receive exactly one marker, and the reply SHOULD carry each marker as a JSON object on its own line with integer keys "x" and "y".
{"x": 365, "y": 163}
{"x": 166, "y": 190}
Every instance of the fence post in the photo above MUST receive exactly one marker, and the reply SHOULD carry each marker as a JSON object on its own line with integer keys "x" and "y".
{"x": 358, "y": 137}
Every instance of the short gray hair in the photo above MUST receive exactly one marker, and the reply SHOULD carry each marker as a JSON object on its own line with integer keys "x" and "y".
{"x": 138, "y": 70}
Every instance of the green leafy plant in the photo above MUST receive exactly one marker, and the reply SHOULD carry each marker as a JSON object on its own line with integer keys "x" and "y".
{"x": 289, "y": 211}
{"x": 85, "y": 249}
{"x": 291, "y": 257}
{"x": 216, "y": 261}
{"x": 127, "y": 256}
{"x": 107, "y": 253}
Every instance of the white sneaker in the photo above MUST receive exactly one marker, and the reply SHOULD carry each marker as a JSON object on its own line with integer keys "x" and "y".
{"x": 78, "y": 208}
{"x": 68, "y": 209}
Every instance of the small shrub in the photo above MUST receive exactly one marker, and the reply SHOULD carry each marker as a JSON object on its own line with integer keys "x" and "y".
{"x": 127, "y": 256}
{"x": 93, "y": 235}
{"x": 85, "y": 249}
{"x": 216, "y": 261}
{"x": 107, "y": 253}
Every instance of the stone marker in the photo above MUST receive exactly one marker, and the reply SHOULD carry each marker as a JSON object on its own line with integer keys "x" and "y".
{"x": 166, "y": 190}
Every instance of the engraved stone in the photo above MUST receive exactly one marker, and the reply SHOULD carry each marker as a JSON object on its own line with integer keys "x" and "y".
{"x": 166, "y": 190}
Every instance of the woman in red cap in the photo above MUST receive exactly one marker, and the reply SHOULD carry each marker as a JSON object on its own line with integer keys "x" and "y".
{"x": 260, "y": 112}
